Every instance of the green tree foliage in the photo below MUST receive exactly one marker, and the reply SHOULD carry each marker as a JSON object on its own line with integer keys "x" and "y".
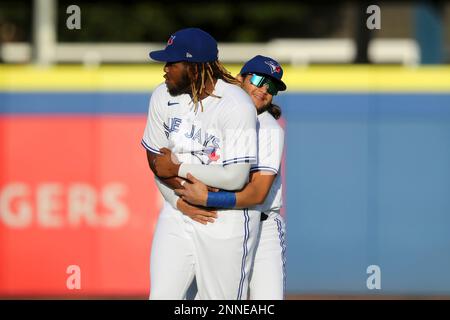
{"x": 154, "y": 21}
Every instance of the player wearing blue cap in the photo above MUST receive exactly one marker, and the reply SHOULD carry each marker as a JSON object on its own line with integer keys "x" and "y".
{"x": 208, "y": 122}
{"x": 260, "y": 77}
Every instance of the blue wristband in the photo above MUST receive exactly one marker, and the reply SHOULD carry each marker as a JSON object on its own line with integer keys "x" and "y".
{"x": 221, "y": 199}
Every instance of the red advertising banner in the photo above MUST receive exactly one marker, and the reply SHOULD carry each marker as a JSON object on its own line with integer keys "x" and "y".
{"x": 78, "y": 205}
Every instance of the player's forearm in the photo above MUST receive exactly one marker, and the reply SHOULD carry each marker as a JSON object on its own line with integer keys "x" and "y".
{"x": 172, "y": 183}
{"x": 254, "y": 193}
{"x": 167, "y": 193}
{"x": 250, "y": 196}
{"x": 231, "y": 177}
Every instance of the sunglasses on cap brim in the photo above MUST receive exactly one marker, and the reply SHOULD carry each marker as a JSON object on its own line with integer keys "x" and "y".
{"x": 261, "y": 80}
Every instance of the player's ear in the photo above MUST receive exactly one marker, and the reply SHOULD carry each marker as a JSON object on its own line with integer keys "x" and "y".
{"x": 192, "y": 69}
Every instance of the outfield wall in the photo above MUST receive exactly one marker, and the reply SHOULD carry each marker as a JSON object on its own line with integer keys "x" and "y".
{"x": 367, "y": 179}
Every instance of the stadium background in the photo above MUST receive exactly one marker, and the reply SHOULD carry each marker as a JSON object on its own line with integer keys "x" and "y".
{"x": 366, "y": 179}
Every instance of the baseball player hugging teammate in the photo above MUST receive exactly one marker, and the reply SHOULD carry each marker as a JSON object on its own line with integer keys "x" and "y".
{"x": 203, "y": 117}
{"x": 260, "y": 77}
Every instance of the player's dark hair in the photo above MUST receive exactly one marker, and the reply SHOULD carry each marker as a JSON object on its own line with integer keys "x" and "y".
{"x": 201, "y": 72}
{"x": 274, "y": 110}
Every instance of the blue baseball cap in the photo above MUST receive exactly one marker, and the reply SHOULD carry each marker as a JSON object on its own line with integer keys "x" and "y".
{"x": 265, "y": 66}
{"x": 191, "y": 44}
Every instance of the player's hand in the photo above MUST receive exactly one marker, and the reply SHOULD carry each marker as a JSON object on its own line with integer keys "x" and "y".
{"x": 195, "y": 192}
{"x": 212, "y": 189}
{"x": 166, "y": 165}
{"x": 200, "y": 215}
{"x": 181, "y": 182}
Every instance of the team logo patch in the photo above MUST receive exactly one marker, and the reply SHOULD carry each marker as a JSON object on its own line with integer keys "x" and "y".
{"x": 211, "y": 152}
{"x": 170, "y": 41}
{"x": 207, "y": 155}
{"x": 274, "y": 68}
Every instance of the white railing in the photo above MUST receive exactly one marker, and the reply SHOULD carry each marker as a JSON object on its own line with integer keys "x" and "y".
{"x": 291, "y": 51}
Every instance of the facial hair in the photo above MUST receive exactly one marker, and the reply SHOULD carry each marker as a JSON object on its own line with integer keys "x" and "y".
{"x": 182, "y": 86}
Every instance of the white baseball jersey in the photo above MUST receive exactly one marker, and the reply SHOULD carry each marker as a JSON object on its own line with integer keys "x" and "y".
{"x": 270, "y": 152}
{"x": 224, "y": 133}
{"x": 219, "y": 254}
{"x": 268, "y": 276}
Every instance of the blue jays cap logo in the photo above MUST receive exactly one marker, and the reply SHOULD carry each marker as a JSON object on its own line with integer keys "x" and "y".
{"x": 170, "y": 41}
{"x": 274, "y": 67}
